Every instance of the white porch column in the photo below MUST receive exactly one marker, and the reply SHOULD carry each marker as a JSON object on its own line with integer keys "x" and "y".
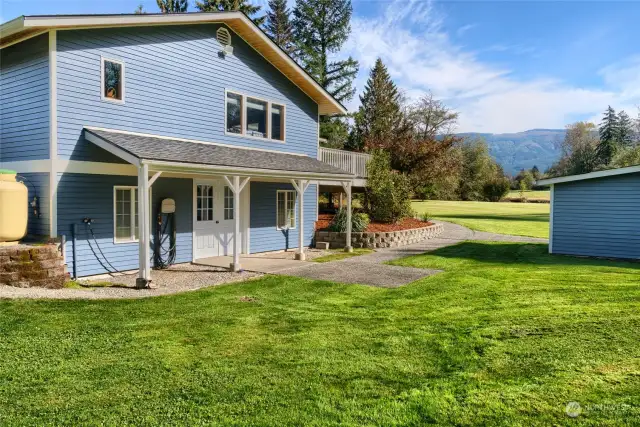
{"x": 347, "y": 190}
{"x": 144, "y": 273}
{"x": 236, "y": 188}
{"x": 301, "y": 187}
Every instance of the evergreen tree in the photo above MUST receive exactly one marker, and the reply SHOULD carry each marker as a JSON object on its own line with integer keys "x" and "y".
{"x": 608, "y": 137}
{"x": 379, "y": 117}
{"x": 536, "y": 172}
{"x": 278, "y": 25}
{"x": 231, "y": 5}
{"x": 172, "y": 6}
{"x": 321, "y": 28}
{"x": 140, "y": 10}
{"x": 625, "y": 134}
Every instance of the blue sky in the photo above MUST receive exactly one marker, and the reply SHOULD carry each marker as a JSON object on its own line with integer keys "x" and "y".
{"x": 505, "y": 66}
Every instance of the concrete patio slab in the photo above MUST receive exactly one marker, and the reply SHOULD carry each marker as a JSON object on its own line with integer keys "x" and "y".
{"x": 257, "y": 264}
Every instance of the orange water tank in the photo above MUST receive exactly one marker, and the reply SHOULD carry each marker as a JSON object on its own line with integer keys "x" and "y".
{"x": 14, "y": 205}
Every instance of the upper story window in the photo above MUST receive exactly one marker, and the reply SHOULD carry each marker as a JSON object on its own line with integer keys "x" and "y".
{"x": 112, "y": 80}
{"x": 255, "y": 118}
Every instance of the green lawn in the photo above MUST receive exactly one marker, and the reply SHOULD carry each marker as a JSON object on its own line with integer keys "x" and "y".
{"x": 531, "y": 194}
{"x": 521, "y": 219}
{"x": 506, "y": 335}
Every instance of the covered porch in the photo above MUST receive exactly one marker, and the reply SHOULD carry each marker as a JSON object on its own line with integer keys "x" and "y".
{"x": 233, "y": 169}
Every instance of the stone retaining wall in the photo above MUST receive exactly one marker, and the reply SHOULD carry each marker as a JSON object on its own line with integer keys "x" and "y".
{"x": 391, "y": 239}
{"x": 27, "y": 266}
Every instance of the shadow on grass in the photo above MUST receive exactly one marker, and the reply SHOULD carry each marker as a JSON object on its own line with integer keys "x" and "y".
{"x": 522, "y": 253}
{"x": 526, "y": 217}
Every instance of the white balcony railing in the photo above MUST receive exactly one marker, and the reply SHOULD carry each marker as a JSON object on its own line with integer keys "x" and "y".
{"x": 355, "y": 163}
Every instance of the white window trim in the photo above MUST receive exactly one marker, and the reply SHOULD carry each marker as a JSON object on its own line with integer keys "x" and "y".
{"x": 243, "y": 118}
{"x": 122, "y": 77}
{"x": 286, "y": 200}
{"x": 131, "y": 189}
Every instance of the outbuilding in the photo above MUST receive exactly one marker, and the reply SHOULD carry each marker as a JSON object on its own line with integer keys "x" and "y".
{"x": 596, "y": 214}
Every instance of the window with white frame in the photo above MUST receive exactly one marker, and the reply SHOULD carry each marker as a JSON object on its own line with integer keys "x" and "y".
{"x": 112, "y": 80}
{"x": 228, "y": 203}
{"x": 125, "y": 212}
{"x": 204, "y": 204}
{"x": 286, "y": 209}
{"x": 254, "y": 117}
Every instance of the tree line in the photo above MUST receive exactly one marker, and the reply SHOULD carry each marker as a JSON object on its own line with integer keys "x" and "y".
{"x": 586, "y": 147}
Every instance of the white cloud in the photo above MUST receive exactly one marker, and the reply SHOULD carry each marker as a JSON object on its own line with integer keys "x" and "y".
{"x": 489, "y": 98}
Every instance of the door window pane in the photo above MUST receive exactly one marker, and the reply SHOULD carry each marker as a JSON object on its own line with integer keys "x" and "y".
{"x": 234, "y": 113}
{"x": 256, "y": 118}
{"x": 204, "y": 208}
{"x": 277, "y": 122}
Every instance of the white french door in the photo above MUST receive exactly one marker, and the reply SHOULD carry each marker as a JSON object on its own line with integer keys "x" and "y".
{"x": 204, "y": 220}
{"x": 213, "y": 221}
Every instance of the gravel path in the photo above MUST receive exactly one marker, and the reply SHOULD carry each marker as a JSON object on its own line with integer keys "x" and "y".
{"x": 179, "y": 278}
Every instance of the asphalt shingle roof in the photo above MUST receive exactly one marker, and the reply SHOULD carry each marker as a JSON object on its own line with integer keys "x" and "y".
{"x": 172, "y": 150}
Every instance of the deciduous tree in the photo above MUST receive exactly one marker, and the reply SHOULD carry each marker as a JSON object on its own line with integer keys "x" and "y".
{"x": 578, "y": 150}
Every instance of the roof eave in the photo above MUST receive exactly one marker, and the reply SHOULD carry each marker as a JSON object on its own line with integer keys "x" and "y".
{"x": 591, "y": 175}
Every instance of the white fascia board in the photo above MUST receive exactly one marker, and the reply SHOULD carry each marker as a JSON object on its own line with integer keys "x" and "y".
{"x": 591, "y": 175}
{"x": 195, "y": 168}
{"x": 11, "y": 27}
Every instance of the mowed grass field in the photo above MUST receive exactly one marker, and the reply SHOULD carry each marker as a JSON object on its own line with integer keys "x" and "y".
{"x": 505, "y": 335}
{"x": 531, "y": 194}
{"x": 520, "y": 219}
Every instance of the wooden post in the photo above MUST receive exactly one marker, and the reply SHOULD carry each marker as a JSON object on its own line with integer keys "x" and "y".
{"x": 236, "y": 188}
{"x": 301, "y": 187}
{"x": 347, "y": 189}
{"x": 144, "y": 264}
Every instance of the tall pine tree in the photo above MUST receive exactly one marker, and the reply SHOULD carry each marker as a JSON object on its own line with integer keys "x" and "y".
{"x": 278, "y": 25}
{"x": 379, "y": 118}
{"x": 172, "y": 6}
{"x": 625, "y": 134}
{"x": 321, "y": 28}
{"x": 230, "y": 5}
{"x": 608, "y": 144}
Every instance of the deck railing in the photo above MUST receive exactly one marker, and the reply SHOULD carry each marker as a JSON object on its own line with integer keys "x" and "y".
{"x": 355, "y": 163}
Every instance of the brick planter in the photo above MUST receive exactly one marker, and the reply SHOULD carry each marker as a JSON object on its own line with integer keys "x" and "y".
{"x": 27, "y": 266}
{"x": 392, "y": 239}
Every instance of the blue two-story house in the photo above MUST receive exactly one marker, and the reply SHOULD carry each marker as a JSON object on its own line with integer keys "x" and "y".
{"x": 117, "y": 122}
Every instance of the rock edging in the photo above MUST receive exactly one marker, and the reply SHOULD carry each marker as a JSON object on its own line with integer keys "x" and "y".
{"x": 26, "y": 266}
{"x": 374, "y": 240}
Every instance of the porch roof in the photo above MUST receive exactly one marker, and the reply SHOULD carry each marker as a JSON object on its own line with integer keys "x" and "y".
{"x": 189, "y": 156}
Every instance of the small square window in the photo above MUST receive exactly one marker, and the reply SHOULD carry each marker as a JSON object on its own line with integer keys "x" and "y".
{"x": 112, "y": 80}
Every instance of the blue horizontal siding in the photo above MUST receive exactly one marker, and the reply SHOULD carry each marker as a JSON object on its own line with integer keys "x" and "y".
{"x": 264, "y": 235}
{"x": 38, "y": 185}
{"x": 175, "y": 85}
{"x": 24, "y": 101}
{"x": 81, "y": 195}
{"x": 598, "y": 217}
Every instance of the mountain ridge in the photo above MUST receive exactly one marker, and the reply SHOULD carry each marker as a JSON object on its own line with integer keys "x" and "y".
{"x": 522, "y": 150}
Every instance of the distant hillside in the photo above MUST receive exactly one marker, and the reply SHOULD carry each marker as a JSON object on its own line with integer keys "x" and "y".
{"x": 515, "y": 151}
